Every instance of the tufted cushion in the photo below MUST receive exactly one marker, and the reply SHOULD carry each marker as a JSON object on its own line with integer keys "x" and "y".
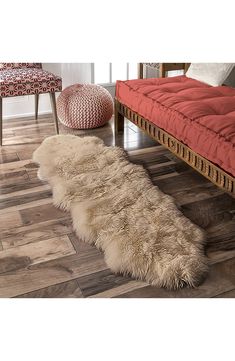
{"x": 25, "y": 81}
{"x": 199, "y": 115}
{"x": 84, "y": 106}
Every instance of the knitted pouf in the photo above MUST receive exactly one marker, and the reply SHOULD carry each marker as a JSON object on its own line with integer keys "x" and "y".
{"x": 84, "y": 106}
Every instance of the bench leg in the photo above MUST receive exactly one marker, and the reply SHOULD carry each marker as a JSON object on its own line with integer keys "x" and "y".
{"x": 118, "y": 120}
{"x": 54, "y": 111}
{"x": 0, "y": 121}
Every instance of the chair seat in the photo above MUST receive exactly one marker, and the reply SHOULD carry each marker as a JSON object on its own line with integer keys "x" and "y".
{"x": 26, "y": 81}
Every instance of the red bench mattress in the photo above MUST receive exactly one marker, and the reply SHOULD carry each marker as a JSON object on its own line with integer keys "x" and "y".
{"x": 197, "y": 114}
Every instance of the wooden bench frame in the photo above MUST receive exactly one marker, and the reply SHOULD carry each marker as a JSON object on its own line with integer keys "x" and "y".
{"x": 164, "y": 68}
{"x": 209, "y": 170}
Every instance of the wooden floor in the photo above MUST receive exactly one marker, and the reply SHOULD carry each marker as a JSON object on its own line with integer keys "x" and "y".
{"x": 40, "y": 256}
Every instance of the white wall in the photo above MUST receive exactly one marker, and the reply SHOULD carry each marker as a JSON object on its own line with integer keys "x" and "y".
{"x": 73, "y": 73}
{"x": 24, "y": 105}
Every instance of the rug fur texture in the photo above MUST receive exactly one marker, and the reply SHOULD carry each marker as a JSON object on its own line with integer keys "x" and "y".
{"x": 115, "y": 206}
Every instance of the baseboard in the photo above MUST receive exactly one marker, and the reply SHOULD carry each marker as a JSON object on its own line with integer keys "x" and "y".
{"x": 25, "y": 115}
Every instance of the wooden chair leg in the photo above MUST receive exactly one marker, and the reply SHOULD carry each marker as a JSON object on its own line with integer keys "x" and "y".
{"x": 54, "y": 111}
{"x": 36, "y": 105}
{"x": 118, "y": 120}
{"x": 0, "y": 121}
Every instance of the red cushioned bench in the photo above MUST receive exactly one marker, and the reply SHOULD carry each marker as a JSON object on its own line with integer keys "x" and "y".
{"x": 194, "y": 120}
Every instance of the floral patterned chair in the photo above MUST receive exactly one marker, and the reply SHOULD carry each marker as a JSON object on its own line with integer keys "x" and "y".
{"x": 17, "y": 79}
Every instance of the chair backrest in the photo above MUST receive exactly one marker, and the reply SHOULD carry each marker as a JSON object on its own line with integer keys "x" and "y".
{"x": 8, "y": 66}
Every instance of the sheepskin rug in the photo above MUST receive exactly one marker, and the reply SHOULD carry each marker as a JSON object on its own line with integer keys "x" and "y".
{"x": 115, "y": 206}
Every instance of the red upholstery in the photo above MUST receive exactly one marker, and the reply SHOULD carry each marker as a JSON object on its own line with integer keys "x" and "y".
{"x": 27, "y": 80}
{"x": 199, "y": 115}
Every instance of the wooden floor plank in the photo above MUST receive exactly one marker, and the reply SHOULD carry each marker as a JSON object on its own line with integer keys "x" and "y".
{"x": 195, "y": 194}
{"x": 100, "y": 281}
{"x": 18, "y": 202}
{"x": 24, "y": 192}
{"x": 120, "y": 290}
{"x": 8, "y": 157}
{"x": 229, "y": 294}
{"x": 13, "y": 265}
{"x": 40, "y": 213}
{"x": 46, "y": 274}
{"x": 13, "y": 177}
{"x": 21, "y": 186}
{"x": 9, "y": 220}
{"x": 219, "y": 256}
{"x": 209, "y": 212}
{"x": 221, "y": 236}
{"x": 68, "y": 289}
{"x": 155, "y": 148}
{"x": 35, "y": 232}
{"x": 41, "y": 251}
{"x": 15, "y": 166}
{"x": 28, "y": 205}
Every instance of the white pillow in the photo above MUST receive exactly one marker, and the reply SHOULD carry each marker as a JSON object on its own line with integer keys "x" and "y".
{"x": 210, "y": 73}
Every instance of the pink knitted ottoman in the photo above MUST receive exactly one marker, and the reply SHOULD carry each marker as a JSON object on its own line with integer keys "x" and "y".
{"x": 84, "y": 106}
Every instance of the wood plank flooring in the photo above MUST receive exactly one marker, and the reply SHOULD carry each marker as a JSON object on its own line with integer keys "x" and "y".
{"x": 40, "y": 256}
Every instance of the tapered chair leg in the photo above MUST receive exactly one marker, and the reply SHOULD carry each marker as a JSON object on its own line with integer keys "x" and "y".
{"x": 36, "y": 105}
{"x": 0, "y": 121}
{"x": 54, "y": 111}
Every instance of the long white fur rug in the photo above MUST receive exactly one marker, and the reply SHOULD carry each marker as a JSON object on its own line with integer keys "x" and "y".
{"x": 115, "y": 206}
